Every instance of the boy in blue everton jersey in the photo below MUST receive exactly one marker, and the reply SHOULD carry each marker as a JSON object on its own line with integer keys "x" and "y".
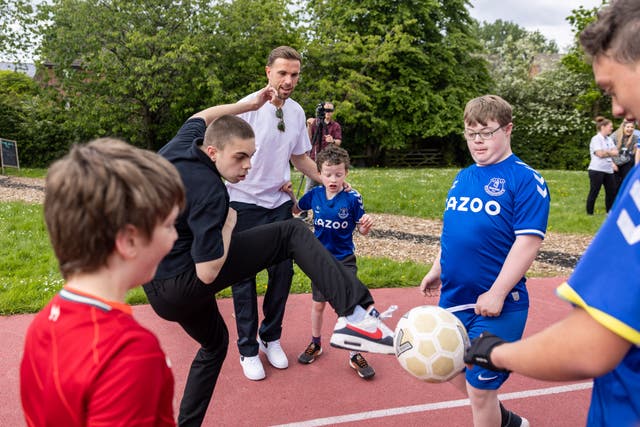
{"x": 336, "y": 214}
{"x": 494, "y": 221}
{"x": 600, "y": 338}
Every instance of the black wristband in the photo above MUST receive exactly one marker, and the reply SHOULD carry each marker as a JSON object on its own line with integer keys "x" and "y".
{"x": 479, "y": 352}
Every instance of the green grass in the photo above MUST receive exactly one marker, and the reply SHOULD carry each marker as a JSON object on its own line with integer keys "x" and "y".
{"x": 26, "y": 172}
{"x": 422, "y": 193}
{"x": 28, "y": 269}
{"x": 29, "y": 272}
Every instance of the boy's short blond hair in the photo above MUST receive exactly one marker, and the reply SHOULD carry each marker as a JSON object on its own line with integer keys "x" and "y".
{"x": 96, "y": 190}
{"x": 485, "y": 108}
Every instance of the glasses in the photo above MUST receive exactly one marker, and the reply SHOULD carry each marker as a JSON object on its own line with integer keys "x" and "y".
{"x": 329, "y": 110}
{"x": 483, "y": 134}
{"x": 280, "y": 116}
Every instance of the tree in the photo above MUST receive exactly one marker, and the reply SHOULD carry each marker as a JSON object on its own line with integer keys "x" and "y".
{"x": 591, "y": 100}
{"x": 34, "y": 117}
{"x": 137, "y": 68}
{"x": 550, "y": 128}
{"x": 495, "y": 35}
{"x": 15, "y": 90}
{"x": 549, "y": 132}
{"x": 401, "y": 72}
{"x": 126, "y": 67}
{"x": 17, "y": 20}
{"x": 512, "y": 51}
{"x": 245, "y": 32}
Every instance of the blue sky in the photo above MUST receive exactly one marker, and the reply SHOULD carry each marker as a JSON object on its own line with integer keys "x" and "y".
{"x": 547, "y": 16}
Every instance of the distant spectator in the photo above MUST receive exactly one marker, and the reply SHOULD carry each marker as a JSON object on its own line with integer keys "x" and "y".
{"x": 322, "y": 134}
{"x": 626, "y": 143}
{"x": 601, "y": 167}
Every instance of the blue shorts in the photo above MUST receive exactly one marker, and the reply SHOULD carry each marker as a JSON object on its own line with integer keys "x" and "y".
{"x": 509, "y": 326}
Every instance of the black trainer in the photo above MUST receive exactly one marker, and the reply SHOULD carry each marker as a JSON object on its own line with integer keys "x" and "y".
{"x": 511, "y": 419}
{"x": 359, "y": 363}
{"x": 312, "y": 351}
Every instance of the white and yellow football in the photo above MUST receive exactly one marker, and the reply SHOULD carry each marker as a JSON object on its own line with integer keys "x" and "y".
{"x": 429, "y": 343}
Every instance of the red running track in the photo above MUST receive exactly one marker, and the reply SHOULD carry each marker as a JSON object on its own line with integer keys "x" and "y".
{"x": 328, "y": 392}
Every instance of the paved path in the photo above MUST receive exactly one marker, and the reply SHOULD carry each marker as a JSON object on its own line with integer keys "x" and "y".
{"x": 328, "y": 392}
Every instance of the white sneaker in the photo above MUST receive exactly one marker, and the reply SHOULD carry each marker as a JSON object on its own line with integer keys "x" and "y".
{"x": 275, "y": 354}
{"x": 252, "y": 367}
{"x": 369, "y": 334}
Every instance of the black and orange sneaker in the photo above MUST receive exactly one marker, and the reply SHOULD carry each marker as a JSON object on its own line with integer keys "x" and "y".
{"x": 360, "y": 365}
{"x": 312, "y": 351}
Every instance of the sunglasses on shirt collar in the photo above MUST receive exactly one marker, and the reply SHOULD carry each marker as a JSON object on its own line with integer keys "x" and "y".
{"x": 280, "y": 116}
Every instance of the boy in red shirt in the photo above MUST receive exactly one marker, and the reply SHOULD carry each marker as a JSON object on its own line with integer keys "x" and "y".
{"x": 110, "y": 210}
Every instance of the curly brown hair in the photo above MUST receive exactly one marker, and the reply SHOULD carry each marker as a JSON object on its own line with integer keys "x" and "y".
{"x": 333, "y": 155}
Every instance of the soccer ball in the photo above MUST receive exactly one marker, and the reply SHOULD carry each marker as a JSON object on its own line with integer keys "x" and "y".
{"x": 429, "y": 343}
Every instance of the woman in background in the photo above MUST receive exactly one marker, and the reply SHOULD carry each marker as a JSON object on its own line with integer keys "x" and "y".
{"x": 626, "y": 143}
{"x": 601, "y": 167}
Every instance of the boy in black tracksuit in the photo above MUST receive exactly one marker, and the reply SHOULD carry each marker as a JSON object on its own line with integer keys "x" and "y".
{"x": 208, "y": 256}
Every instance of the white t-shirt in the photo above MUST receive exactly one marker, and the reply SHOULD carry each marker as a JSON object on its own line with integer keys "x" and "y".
{"x": 270, "y": 164}
{"x": 601, "y": 142}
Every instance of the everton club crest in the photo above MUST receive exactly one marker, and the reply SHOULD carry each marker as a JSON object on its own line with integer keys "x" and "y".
{"x": 343, "y": 213}
{"x": 495, "y": 187}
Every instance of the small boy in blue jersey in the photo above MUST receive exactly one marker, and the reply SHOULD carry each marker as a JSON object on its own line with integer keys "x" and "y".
{"x": 494, "y": 221}
{"x": 336, "y": 214}
{"x": 600, "y": 337}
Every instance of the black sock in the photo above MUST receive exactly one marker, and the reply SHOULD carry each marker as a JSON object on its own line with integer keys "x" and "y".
{"x": 509, "y": 419}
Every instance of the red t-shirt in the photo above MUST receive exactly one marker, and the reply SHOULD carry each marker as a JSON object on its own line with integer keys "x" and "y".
{"x": 88, "y": 362}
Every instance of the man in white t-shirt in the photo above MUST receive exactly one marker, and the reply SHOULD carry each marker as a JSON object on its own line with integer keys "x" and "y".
{"x": 281, "y": 136}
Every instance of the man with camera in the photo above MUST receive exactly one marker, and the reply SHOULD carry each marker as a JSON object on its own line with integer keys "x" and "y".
{"x": 323, "y": 130}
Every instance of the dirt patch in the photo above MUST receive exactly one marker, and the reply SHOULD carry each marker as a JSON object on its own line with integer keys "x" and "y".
{"x": 14, "y": 189}
{"x": 397, "y": 237}
{"x": 406, "y": 238}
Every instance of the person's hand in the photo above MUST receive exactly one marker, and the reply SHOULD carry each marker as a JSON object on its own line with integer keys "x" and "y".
{"x": 430, "y": 285}
{"x": 266, "y": 94}
{"x": 479, "y": 352}
{"x": 365, "y": 224}
{"x": 489, "y": 304}
{"x": 328, "y": 138}
{"x": 311, "y": 121}
{"x": 287, "y": 187}
{"x": 346, "y": 186}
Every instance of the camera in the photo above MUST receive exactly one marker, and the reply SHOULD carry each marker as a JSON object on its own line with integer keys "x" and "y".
{"x": 320, "y": 111}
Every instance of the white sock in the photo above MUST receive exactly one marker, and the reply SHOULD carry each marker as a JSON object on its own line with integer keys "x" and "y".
{"x": 357, "y": 315}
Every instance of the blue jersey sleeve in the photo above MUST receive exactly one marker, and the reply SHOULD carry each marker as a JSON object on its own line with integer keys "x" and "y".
{"x": 357, "y": 205}
{"x": 532, "y": 203}
{"x": 605, "y": 282}
{"x": 305, "y": 201}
